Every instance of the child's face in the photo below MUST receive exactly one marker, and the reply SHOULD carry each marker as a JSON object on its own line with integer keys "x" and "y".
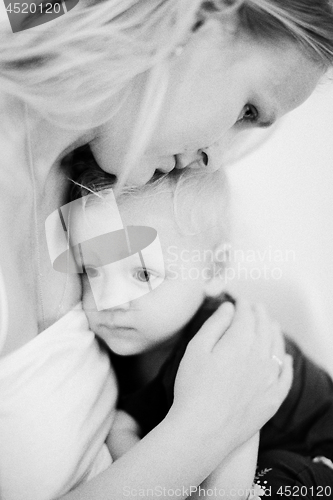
{"x": 153, "y": 319}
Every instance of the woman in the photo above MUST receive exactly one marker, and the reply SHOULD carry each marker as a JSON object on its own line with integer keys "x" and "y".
{"x": 166, "y": 83}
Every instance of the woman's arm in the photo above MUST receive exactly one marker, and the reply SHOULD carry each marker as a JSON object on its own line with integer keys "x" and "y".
{"x": 233, "y": 479}
{"x": 124, "y": 434}
{"x": 166, "y": 461}
{"x": 31, "y": 189}
{"x": 16, "y": 229}
{"x": 226, "y": 389}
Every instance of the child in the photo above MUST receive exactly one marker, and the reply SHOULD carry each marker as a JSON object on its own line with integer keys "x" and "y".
{"x": 189, "y": 210}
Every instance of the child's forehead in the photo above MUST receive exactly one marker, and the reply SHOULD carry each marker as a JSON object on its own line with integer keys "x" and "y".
{"x": 160, "y": 215}
{"x": 155, "y": 211}
{"x": 93, "y": 216}
{"x": 101, "y": 216}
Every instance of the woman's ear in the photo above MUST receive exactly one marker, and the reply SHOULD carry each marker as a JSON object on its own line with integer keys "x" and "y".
{"x": 215, "y": 279}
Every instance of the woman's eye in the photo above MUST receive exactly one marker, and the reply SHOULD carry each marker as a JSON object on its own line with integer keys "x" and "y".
{"x": 249, "y": 114}
{"x": 143, "y": 275}
{"x": 92, "y": 272}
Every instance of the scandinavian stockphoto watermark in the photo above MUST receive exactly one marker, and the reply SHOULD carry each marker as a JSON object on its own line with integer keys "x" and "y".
{"x": 228, "y": 263}
{"x": 27, "y": 14}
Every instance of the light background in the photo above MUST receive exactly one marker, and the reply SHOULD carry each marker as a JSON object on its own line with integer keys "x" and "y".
{"x": 283, "y": 200}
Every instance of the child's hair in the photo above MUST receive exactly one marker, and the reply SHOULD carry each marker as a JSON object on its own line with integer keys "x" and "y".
{"x": 200, "y": 199}
{"x": 77, "y": 69}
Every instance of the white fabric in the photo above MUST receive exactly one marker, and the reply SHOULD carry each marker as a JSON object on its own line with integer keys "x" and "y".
{"x": 57, "y": 403}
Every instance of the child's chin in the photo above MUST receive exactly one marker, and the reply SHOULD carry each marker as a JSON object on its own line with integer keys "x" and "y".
{"x": 125, "y": 349}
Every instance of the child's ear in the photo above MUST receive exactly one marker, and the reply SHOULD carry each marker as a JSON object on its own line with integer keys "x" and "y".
{"x": 215, "y": 283}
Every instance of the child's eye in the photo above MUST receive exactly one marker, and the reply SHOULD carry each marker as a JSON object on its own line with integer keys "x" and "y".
{"x": 143, "y": 275}
{"x": 249, "y": 114}
{"x": 92, "y": 272}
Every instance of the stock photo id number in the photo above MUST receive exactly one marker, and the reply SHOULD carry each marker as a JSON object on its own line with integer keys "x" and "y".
{"x": 28, "y": 14}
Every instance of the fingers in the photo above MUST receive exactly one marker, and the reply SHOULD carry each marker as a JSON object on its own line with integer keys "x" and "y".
{"x": 248, "y": 331}
{"x": 269, "y": 333}
{"x": 278, "y": 344}
{"x": 243, "y": 315}
{"x": 242, "y": 331}
{"x": 263, "y": 325}
{"x": 215, "y": 327}
{"x": 286, "y": 377}
{"x": 272, "y": 342}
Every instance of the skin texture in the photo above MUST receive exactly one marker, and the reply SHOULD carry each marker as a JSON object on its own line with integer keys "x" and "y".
{"x": 211, "y": 83}
{"x": 135, "y": 326}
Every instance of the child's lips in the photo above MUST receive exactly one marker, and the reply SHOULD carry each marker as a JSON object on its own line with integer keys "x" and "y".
{"x": 113, "y": 327}
{"x": 113, "y": 321}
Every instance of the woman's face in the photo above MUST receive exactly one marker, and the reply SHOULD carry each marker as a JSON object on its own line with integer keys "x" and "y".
{"x": 220, "y": 86}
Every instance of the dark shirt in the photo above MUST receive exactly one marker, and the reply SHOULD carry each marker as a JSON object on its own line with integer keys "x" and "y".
{"x": 303, "y": 424}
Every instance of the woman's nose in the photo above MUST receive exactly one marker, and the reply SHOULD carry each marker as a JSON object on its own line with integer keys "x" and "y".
{"x": 209, "y": 158}
{"x": 214, "y": 154}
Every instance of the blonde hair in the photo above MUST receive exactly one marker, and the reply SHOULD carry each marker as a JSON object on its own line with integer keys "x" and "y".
{"x": 78, "y": 69}
{"x": 70, "y": 68}
{"x": 200, "y": 199}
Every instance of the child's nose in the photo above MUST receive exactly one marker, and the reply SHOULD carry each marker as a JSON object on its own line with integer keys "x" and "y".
{"x": 113, "y": 292}
{"x": 115, "y": 297}
{"x": 125, "y": 306}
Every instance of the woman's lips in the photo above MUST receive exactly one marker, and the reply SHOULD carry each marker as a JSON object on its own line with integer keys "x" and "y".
{"x": 166, "y": 164}
{"x": 188, "y": 160}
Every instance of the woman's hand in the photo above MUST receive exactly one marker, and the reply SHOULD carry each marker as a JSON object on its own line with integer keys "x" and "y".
{"x": 228, "y": 382}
